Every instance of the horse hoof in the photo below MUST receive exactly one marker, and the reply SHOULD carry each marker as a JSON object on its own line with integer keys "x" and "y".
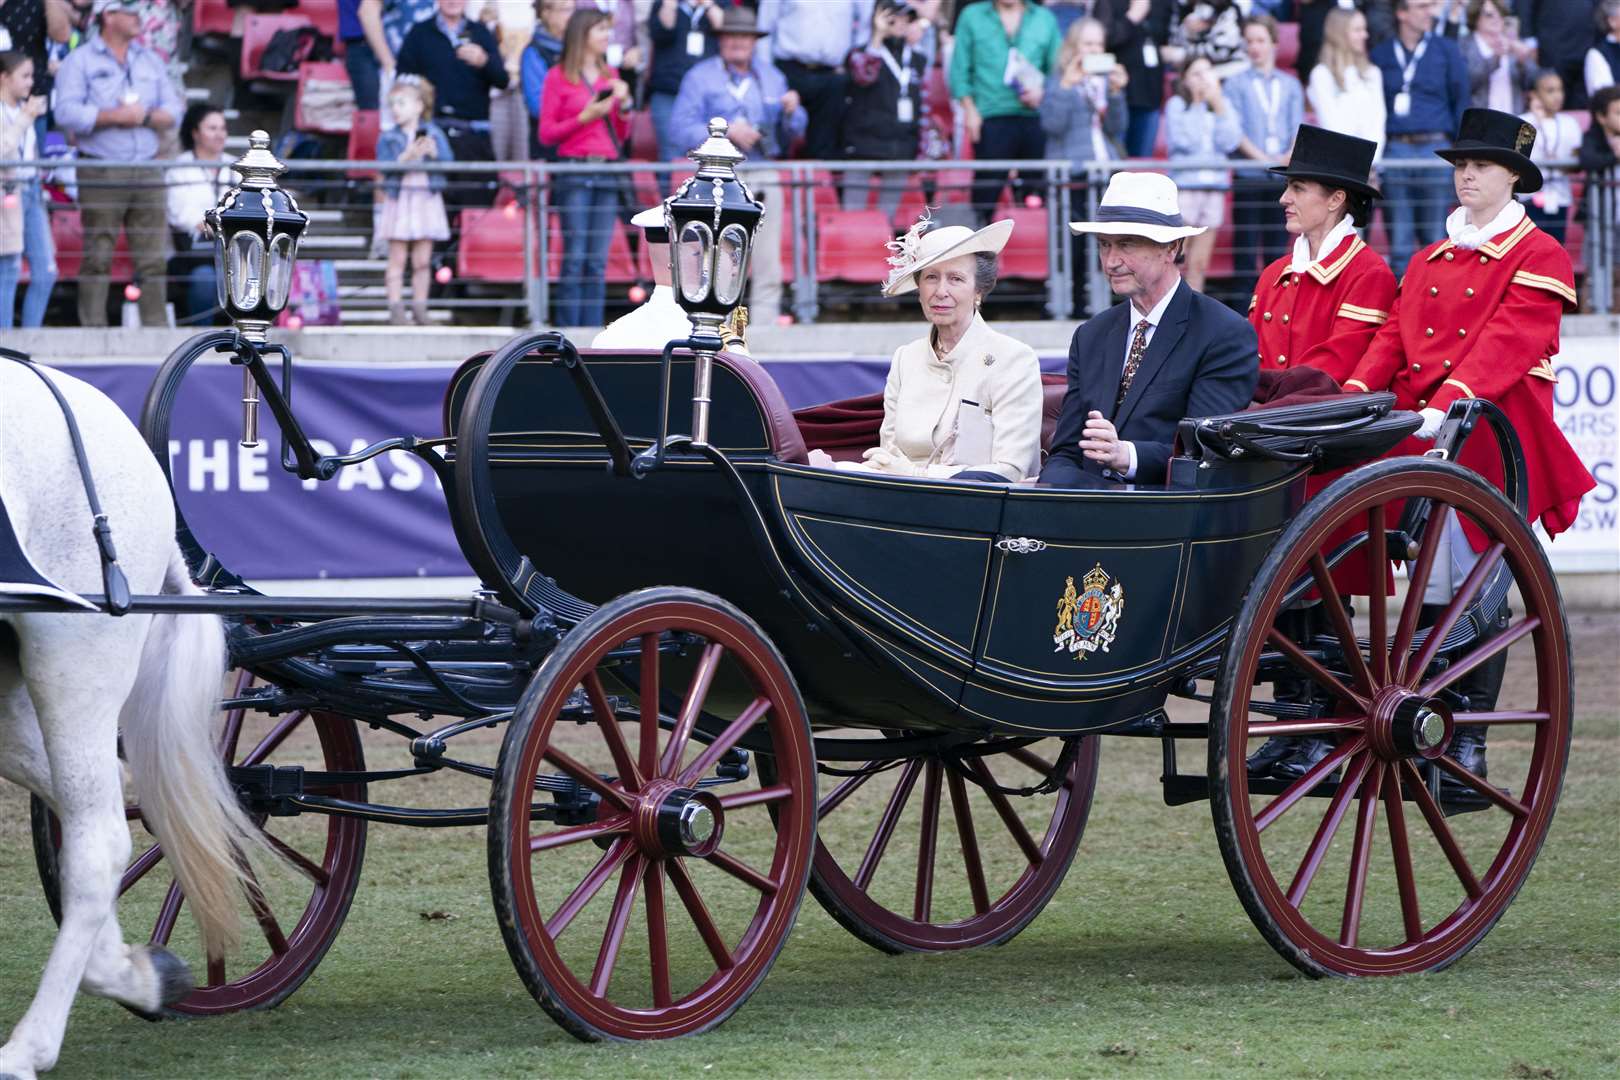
{"x": 173, "y": 976}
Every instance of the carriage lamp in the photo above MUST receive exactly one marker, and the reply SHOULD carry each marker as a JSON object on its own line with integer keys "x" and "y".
{"x": 257, "y": 227}
{"x": 711, "y": 221}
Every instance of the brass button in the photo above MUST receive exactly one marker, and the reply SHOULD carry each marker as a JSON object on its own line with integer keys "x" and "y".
{"x": 1268, "y": 316}
{"x": 1285, "y": 320}
{"x": 1450, "y": 256}
{"x": 1468, "y": 292}
{"x": 1423, "y": 402}
{"x": 1446, "y": 364}
{"x": 1281, "y": 359}
{"x": 1429, "y": 332}
{"x": 1461, "y": 332}
{"x": 1434, "y": 290}
{"x": 1483, "y": 260}
{"x": 1417, "y": 367}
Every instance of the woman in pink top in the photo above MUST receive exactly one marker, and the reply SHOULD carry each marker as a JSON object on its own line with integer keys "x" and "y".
{"x": 582, "y": 107}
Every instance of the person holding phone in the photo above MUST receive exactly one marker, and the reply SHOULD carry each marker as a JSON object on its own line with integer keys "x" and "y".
{"x": 582, "y": 113}
{"x": 1083, "y": 114}
{"x": 883, "y": 104}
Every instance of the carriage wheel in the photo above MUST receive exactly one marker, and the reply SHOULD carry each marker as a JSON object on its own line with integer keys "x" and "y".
{"x": 1325, "y": 896}
{"x": 879, "y": 838}
{"x": 297, "y": 909}
{"x": 717, "y": 869}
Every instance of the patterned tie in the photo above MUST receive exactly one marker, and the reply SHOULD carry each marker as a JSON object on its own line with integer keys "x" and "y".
{"x": 1132, "y": 362}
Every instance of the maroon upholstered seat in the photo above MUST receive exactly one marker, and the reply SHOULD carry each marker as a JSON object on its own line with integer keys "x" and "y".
{"x": 786, "y": 441}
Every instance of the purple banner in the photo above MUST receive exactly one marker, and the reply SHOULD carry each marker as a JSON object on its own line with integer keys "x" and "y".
{"x": 383, "y": 518}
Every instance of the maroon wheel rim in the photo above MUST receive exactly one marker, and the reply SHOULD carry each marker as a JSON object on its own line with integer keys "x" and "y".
{"x": 978, "y": 886}
{"x": 647, "y": 893}
{"x": 1312, "y": 870}
{"x": 287, "y": 930}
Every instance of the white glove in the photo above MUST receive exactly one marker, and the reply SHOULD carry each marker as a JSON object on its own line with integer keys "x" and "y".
{"x": 1432, "y": 419}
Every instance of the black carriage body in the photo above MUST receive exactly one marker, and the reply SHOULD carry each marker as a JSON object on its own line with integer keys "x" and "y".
{"x": 899, "y": 603}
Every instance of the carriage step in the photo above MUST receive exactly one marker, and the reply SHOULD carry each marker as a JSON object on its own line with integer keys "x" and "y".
{"x": 1181, "y": 788}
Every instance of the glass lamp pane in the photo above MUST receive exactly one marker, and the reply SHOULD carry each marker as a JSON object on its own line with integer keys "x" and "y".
{"x": 281, "y": 270}
{"x": 692, "y": 260}
{"x": 244, "y": 263}
{"x": 730, "y": 264}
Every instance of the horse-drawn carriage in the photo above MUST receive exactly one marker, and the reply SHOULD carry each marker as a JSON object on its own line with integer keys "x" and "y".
{"x": 724, "y": 677}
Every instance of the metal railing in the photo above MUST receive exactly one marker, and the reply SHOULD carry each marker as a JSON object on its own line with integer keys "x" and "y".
{"x": 342, "y": 194}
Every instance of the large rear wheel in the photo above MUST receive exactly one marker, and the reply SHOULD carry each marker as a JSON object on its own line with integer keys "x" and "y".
{"x": 1316, "y": 884}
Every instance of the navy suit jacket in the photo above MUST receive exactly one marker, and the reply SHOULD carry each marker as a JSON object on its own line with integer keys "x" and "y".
{"x": 1203, "y": 360}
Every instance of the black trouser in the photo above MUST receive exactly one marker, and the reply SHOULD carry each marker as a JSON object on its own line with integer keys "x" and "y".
{"x": 1258, "y": 235}
{"x": 1005, "y": 138}
{"x": 821, "y": 94}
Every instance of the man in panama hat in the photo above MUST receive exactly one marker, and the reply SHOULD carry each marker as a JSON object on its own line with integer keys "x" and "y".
{"x": 1138, "y": 368}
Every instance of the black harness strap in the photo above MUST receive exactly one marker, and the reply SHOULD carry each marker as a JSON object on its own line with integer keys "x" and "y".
{"x": 113, "y": 581}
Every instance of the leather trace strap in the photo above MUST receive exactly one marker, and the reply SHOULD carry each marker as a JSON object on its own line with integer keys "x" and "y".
{"x": 114, "y": 584}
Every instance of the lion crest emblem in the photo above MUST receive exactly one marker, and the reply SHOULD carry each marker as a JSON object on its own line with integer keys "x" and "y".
{"x": 1088, "y": 617}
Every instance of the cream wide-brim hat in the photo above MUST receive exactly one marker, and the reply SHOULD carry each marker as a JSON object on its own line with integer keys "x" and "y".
{"x": 1140, "y": 204}
{"x": 938, "y": 245}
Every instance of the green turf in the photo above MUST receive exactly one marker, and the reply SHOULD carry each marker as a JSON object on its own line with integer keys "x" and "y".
{"x": 1144, "y": 964}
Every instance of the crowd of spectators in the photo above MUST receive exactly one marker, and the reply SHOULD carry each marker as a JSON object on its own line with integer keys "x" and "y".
{"x": 832, "y": 80}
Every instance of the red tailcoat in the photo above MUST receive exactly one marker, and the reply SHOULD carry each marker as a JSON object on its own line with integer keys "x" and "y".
{"x": 1484, "y": 323}
{"x": 1324, "y": 317}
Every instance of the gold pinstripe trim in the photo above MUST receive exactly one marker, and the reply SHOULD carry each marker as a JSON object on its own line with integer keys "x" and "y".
{"x": 1544, "y": 370}
{"x": 1445, "y": 246}
{"x": 1356, "y": 382}
{"x": 1326, "y": 273}
{"x": 1550, "y": 284}
{"x": 1499, "y": 248}
{"x": 1468, "y": 391}
{"x": 1363, "y": 314}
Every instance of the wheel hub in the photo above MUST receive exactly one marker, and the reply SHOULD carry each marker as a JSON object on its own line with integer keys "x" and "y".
{"x": 671, "y": 820}
{"x": 1404, "y": 725}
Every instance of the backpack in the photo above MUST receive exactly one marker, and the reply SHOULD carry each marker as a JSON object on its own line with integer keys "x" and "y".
{"x": 289, "y": 48}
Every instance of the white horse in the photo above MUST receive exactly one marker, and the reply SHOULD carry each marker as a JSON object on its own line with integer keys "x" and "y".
{"x": 69, "y": 681}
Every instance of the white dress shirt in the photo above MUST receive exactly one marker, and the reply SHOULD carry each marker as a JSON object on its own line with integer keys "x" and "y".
{"x": 1153, "y": 318}
{"x": 1302, "y": 257}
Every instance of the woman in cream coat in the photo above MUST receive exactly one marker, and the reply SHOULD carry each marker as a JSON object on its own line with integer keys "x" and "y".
{"x": 963, "y": 401}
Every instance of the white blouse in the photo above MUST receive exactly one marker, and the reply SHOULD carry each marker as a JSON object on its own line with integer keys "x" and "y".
{"x": 979, "y": 407}
{"x": 193, "y": 191}
{"x": 1357, "y": 110}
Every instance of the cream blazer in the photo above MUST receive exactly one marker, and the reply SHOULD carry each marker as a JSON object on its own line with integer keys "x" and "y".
{"x": 987, "y": 380}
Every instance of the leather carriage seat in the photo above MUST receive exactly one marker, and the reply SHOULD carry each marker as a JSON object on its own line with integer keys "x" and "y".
{"x": 786, "y": 440}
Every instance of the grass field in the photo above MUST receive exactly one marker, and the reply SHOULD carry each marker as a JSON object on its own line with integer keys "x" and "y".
{"x": 1144, "y": 964}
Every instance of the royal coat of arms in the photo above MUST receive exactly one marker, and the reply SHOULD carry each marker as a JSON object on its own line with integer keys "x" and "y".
{"x": 1088, "y": 619}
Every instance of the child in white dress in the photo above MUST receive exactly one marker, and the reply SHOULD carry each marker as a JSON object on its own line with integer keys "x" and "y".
{"x": 413, "y": 214}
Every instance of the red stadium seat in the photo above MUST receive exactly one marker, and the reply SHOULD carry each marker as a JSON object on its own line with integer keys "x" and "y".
{"x": 363, "y": 142}
{"x": 491, "y": 246}
{"x": 257, "y": 31}
{"x": 68, "y": 234}
{"x": 328, "y": 71}
{"x": 849, "y": 245}
{"x": 1220, "y": 262}
{"x": 643, "y": 136}
{"x": 621, "y": 263}
{"x": 213, "y": 17}
{"x": 1287, "y": 46}
{"x": 1025, "y": 255}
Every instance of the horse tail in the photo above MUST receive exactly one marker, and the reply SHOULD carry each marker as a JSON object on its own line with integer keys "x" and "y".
{"x": 171, "y": 744}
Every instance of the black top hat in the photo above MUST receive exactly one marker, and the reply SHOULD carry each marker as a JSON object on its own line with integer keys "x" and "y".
{"x": 1339, "y": 161}
{"x": 1488, "y": 135}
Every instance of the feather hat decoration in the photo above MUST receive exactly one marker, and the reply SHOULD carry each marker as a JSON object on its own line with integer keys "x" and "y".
{"x": 923, "y": 246}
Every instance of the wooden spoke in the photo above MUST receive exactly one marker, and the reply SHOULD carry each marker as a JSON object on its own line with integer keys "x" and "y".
{"x": 1340, "y": 619}
{"x": 611, "y": 860}
{"x": 168, "y": 913}
{"x": 587, "y": 777}
{"x": 1442, "y": 832}
{"x": 1498, "y": 644}
{"x": 1377, "y": 603}
{"x": 1303, "y": 786}
{"x": 725, "y": 741}
{"x": 1312, "y": 860}
{"x": 274, "y": 738}
{"x": 696, "y": 693}
{"x": 923, "y": 907}
{"x": 647, "y": 698}
{"x": 261, "y": 911}
{"x": 1270, "y": 728}
{"x": 844, "y": 790}
{"x": 743, "y": 872}
{"x": 970, "y": 843}
{"x": 1315, "y": 670}
{"x": 1448, "y": 619}
{"x": 1405, "y": 881}
{"x": 608, "y": 724}
{"x": 1417, "y": 582}
{"x": 562, "y": 837}
{"x": 699, "y": 913}
{"x": 657, "y": 934}
{"x": 624, "y": 902}
{"x": 310, "y": 869}
{"x": 232, "y": 733}
{"x": 1355, "y": 890}
{"x": 891, "y": 817}
{"x": 1009, "y": 817}
{"x": 1024, "y": 755}
{"x": 1488, "y": 790}
{"x": 140, "y": 868}
{"x": 739, "y": 799}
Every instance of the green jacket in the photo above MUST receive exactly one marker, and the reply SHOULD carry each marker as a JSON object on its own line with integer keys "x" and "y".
{"x": 980, "y": 60}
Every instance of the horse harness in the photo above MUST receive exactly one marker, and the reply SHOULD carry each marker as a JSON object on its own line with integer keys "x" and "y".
{"x": 114, "y": 584}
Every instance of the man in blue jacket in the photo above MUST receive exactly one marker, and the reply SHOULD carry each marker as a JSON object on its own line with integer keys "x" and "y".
{"x": 1138, "y": 368}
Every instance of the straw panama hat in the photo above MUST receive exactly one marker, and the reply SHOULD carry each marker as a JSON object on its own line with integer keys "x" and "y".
{"x": 1140, "y": 204}
{"x": 918, "y": 250}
